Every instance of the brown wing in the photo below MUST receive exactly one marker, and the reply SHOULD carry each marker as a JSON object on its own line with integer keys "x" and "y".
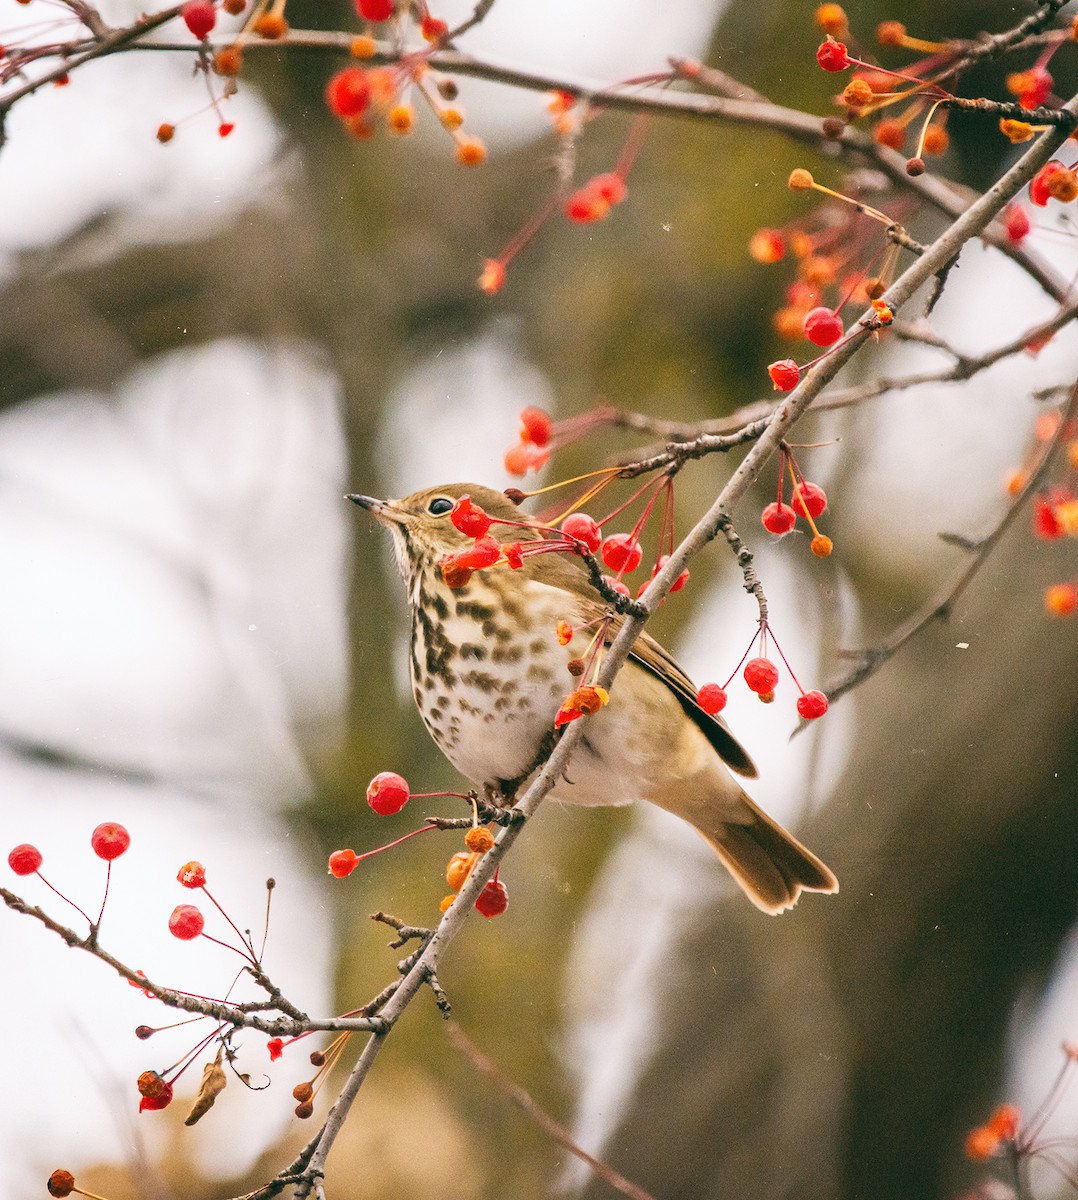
{"x": 648, "y": 653}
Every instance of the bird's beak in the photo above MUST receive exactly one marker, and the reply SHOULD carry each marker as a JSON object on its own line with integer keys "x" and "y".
{"x": 383, "y": 510}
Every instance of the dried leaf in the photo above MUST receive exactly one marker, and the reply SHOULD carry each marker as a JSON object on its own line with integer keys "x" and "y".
{"x": 213, "y": 1084}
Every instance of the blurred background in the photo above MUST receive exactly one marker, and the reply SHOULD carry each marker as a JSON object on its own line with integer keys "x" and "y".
{"x": 205, "y": 344}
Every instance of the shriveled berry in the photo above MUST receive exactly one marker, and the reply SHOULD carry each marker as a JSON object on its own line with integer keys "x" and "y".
{"x": 305, "y": 1110}
{"x": 484, "y": 552}
{"x": 24, "y": 859}
{"x": 387, "y": 793}
{"x": 455, "y": 574}
{"x": 233, "y": 7}
{"x": 785, "y": 374}
{"x": 199, "y": 16}
{"x": 822, "y": 326}
{"x": 832, "y": 55}
{"x": 469, "y": 518}
{"x": 622, "y": 552}
{"x": 275, "y": 1046}
{"x": 808, "y": 498}
{"x": 342, "y": 863}
{"x": 493, "y": 900}
{"x": 778, "y": 518}
{"x": 761, "y": 675}
{"x": 584, "y": 529}
{"x": 186, "y": 922}
{"x": 711, "y": 698}
{"x": 165, "y": 132}
{"x": 303, "y": 1091}
{"x": 821, "y": 545}
{"x": 479, "y": 840}
{"x": 192, "y": 875}
{"x": 811, "y": 705}
{"x": 61, "y": 1183}
{"x": 915, "y": 167}
{"x": 459, "y": 868}
{"x": 109, "y": 840}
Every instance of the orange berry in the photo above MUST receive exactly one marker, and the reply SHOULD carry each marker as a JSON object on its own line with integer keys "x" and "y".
{"x": 166, "y": 132}
{"x": 479, "y": 840}
{"x": 821, "y": 545}
{"x": 492, "y": 278}
{"x": 831, "y": 18}
{"x": 61, "y": 1183}
{"x": 857, "y": 94}
{"x": 401, "y": 119}
{"x": 460, "y": 867}
{"x": 817, "y": 270}
{"x": 363, "y": 46}
{"x": 228, "y": 61}
{"x": 1004, "y": 1121}
{"x": 799, "y": 180}
{"x": 981, "y": 1143}
{"x": 1072, "y": 454}
{"x": 271, "y": 26}
{"x": 889, "y": 132}
{"x": 789, "y": 322}
{"x": 471, "y": 151}
{"x": 1063, "y": 186}
{"x": 359, "y": 127}
{"x": 451, "y": 118}
{"x": 936, "y": 140}
{"x": 800, "y": 243}
{"x": 767, "y": 246}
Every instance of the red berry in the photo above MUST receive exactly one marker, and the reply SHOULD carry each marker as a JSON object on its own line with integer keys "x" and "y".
{"x": 1017, "y": 223}
{"x": 375, "y": 10}
{"x": 432, "y": 28}
{"x": 822, "y": 327}
{"x": 343, "y": 862}
{"x": 109, "y": 840}
{"x": 711, "y": 698}
{"x": 275, "y": 1046}
{"x": 832, "y": 56}
{"x": 622, "y": 552}
{"x": 161, "y": 1099}
{"x": 785, "y": 374}
{"x": 586, "y": 205}
{"x": 469, "y": 518}
{"x": 678, "y": 583}
{"x": 584, "y": 529}
{"x": 186, "y": 922}
{"x": 192, "y": 875}
{"x": 617, "y": 585}
{"x": 225, "y": 128}
{"x": 24, "y": 859}
{"x": 1045, "y": 522}
{"x": 199, "y": 16}
{"x": 811, "y": 705}
{"x": 493, "y": 899}
{"x": 348, "y": 93}
{"x": 810, "y": 497}
{"x": 761, "y": 675}
{"x": 484, "y": 552}
{"x": 610, "y": 187}
{"x": 387, "y": 793}
{"x": 536, "y": 426}
{"x": 778, "y": 518}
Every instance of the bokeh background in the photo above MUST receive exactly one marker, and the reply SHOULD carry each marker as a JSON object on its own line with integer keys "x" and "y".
{"x": 205, "y": 344}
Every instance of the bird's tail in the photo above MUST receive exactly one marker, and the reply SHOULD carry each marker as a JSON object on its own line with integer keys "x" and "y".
{"x": 770, "y": 865}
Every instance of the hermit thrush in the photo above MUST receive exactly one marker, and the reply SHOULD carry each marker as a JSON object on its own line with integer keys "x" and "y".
{"x": 489, "y": 660}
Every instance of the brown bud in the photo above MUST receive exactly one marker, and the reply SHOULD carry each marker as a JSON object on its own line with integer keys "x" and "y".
{"x": 874, "y": 288}
{"x": 576, "y": 666}
{"x": 515, "y": 495}
{"x": 448, "y": 89}
{"x": 303, "y": 1092}
{"x": 228, "y": 61}
{"x": 318, "y": 1059}
{"x": 305, "y": 1110}
{"x": 61, "y": 1183}
{"x": 234, "y": 7}
{"x": 142, "y": 1032}
{"x": 915, "y": 166}
{"x": 833, "y": 127}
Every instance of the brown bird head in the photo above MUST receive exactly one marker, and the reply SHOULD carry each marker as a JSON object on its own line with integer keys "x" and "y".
{"x": 423, "y": 533}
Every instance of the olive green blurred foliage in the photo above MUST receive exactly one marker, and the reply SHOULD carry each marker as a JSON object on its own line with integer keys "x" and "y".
{"x": 659, "y": 309}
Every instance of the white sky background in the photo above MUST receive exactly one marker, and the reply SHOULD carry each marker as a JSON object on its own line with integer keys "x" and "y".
{"x": 173, "y": 604}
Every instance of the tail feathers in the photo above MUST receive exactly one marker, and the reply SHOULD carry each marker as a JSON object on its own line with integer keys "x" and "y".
{"x": 770, "y": 865}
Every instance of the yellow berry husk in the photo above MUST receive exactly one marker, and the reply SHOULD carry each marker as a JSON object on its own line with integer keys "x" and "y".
{"x": 1063, "y": 186}
{"x": 471, "y": 151}
{"x": 446, "y": 902}
{"x": 363, "y": 46}
{"x": 821, "y": 545}
{"x": 857, "y": 94}
{"x": 1066, "y": 514}
{"x": 479, "y": 840}
{"x": 890, "y": 33}
{"x": 800, "y": 179}
{"x": 1072, "y": 453}
{"x": 460, "y": 867}
{"x": 271, "y": 26}
{"x": 451, "y": 118}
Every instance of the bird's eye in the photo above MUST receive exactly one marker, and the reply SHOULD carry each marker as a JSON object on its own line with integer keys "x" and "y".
{"x": 439, "y": 506}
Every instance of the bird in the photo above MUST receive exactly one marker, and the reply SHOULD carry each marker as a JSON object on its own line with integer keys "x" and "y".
{"x": 490, "y": 665}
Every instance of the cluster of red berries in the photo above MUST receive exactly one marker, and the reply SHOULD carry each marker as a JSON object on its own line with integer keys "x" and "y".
{"x": 534, "y": 443}
{"x": 761, "y": 676}
{"x": 592, "y": 201}
{"x": 493, "y": 899}
{"x": 807, "y": 501}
